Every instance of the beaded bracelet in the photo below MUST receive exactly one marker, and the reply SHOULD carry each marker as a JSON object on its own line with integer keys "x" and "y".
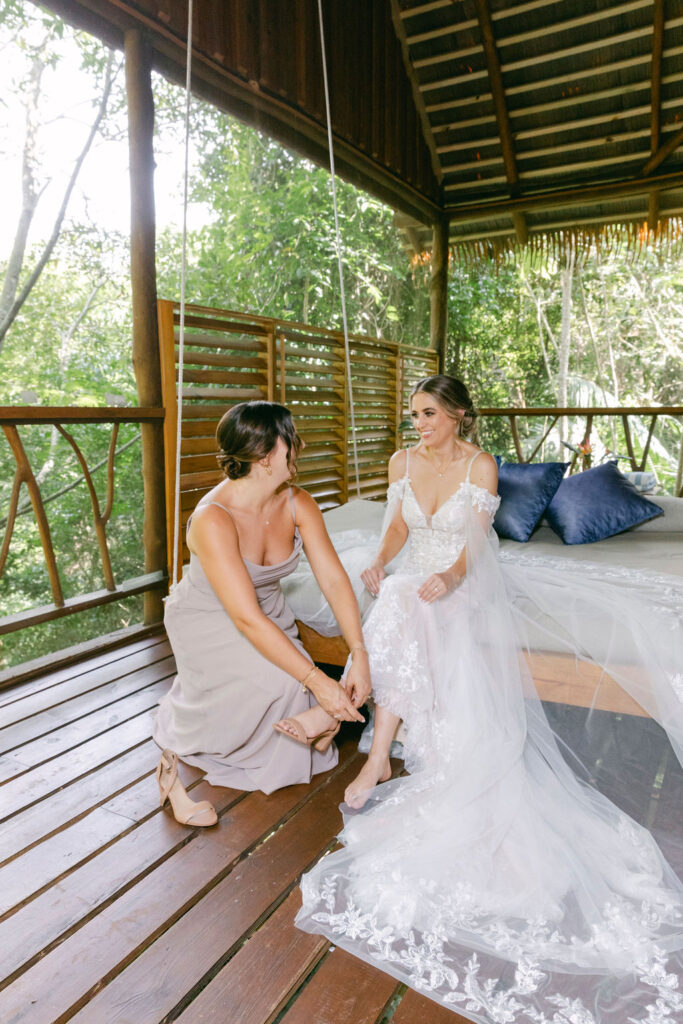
{"x": 304, "y": 681}
{"x": 358, "y": 647}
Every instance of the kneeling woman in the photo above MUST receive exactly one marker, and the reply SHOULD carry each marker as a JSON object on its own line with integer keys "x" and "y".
{"x": 242, "y": 671}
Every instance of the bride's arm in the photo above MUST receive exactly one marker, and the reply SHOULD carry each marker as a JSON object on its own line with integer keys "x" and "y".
{"x": 485, "y": 475}
{"x": 395, "y": 536}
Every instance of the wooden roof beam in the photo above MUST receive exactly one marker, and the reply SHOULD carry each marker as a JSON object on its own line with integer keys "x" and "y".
{"x": 522, "y": 37}
{"x": 584, "y": 194}
{"x": 662, "y": 153}
{"x": 552, "y": 57}
{"x": 547, "y": 83}
{"x": 418, "y": 99}
{"x": 500, "y": 104}
{"x": 564, "y": 126}
{"x": 655, "y": 102}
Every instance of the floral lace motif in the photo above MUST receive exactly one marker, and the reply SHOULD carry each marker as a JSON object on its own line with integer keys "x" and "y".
{"x": 429, "y": 962}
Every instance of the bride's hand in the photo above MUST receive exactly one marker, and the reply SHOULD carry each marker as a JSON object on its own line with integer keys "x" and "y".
{"x": 333, "y": 698}
{"x": 372, "y": 577}
{"x": 435, "y": 586}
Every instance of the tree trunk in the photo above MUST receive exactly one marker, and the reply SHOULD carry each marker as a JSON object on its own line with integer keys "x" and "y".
{"x": 18, "y": 301}
{"x": 565, "y": 336}
{"x": 30, "y": 194}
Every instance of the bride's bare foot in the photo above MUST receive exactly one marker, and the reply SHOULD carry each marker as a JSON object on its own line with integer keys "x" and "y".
{"x": 375, "y": 770}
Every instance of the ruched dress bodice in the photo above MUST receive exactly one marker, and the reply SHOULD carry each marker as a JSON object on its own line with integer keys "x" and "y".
{"x": 266, "y": 580}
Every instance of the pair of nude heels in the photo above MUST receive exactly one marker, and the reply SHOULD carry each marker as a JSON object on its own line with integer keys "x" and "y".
{"x": 185, "y": 811}
{"x": 321, "y": 742}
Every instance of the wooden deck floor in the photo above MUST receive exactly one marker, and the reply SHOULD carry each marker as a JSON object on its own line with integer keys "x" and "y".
{"x": 112, "y": 913}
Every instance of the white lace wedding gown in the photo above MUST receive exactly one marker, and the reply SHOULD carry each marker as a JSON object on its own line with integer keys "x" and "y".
{"x": 496, "y": 878}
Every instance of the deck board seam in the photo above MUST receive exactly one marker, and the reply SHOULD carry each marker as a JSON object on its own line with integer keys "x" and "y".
{"x": 272, "y": 828}
{"x": 80, "y": 718}
{"x": 82, "y": 742}
{"x": 81, "y": 693}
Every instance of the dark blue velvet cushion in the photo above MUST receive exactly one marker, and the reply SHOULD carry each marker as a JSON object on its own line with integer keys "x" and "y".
{"x": 597, "y": 503}
{"x": 525, "y": 491}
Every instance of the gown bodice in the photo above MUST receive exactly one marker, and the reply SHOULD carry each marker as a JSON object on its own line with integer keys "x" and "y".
{"x": 436, "y": 541}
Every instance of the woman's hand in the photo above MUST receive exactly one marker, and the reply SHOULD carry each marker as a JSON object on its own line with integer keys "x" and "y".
{"x": 373, "y": 576}
{"x": 333, "y": 698}
{"x": 437, "y": 585}
{"x": 357, "y": 681}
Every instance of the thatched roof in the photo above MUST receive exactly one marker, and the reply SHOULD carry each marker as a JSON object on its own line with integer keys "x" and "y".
{"x": 512, "y": 119}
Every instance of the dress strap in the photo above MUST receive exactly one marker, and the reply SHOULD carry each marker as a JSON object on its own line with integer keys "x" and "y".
{"x": 407, "y": 473}
{"x": 291, "y": 504}
{"x": 469, "y": 466}
{"x": 218, "y": 505}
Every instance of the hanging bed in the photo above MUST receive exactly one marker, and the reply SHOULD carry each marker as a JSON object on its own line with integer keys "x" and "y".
{"x": 649, "y": 555}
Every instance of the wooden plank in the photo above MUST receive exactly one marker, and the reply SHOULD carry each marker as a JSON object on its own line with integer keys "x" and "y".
{"x": 47, "y": 613}
{"x": 345, "y": 990}
{"x": 34, "y": 785}
{"x": 36, "y": 927}
{"x": 204, "y": 898}
{"x": 560, "y": 679}
{"x": 243, "y": 991}
{"x": 19, "y": 691}
{"x": 43, "y": 749}
{"x": 416, "y": 1007}
{"x": 25, "y": 414}
{"x": 64, "y": 851}
{"x": 74, "y": 801}
{"x": 82, "y": 704}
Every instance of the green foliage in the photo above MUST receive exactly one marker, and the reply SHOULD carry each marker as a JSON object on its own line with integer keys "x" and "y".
{"x": 262, "y": 239}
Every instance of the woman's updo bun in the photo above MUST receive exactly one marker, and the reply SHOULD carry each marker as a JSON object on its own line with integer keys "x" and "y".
{"x": 249, "y": 432}
{"x": 453, "y": 396}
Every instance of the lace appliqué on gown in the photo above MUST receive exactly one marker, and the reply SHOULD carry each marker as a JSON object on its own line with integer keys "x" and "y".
{"x": 490, "y": 878}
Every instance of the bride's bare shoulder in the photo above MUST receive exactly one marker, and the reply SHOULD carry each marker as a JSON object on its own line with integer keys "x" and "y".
{"x": 484, "y": 472}
{"x": 398, "y": 464}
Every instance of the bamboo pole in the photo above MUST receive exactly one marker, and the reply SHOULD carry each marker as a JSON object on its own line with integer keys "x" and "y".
{"x": 438, "y": 290}
{"x": 146, "y": 362}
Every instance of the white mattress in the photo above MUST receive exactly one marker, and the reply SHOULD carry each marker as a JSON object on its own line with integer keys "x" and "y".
{"x": 655, "y": 548}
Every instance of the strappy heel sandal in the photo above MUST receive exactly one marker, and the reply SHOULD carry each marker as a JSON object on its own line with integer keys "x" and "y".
{"x": 185, "y": 811}
{"x": 321, "y": 742}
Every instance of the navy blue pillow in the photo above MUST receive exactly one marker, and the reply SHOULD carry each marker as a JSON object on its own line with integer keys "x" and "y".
{"x": 597, "y": 503}
{"x": 525, "y": 491}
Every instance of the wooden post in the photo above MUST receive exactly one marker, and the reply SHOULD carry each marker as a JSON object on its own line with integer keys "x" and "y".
{"x": 438, "y": 291}
{"x": 146, "y": 362}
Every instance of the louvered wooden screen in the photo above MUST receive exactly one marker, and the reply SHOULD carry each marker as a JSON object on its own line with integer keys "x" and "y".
{"x": 233, "y": 357}
{"x": 414, "y": 364}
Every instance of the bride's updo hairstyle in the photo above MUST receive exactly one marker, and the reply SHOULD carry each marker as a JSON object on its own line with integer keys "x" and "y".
{"x": 249, "y": 431}
{"x": 453, "y": 397}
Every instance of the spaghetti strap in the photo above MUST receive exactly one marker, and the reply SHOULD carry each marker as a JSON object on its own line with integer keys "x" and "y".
{"x": 291, "y": 504}
{"x": 408, "y": 462}
{"x": 203, "y": 505}
{"x": 218, "y": 505}
{"x": 469, "y": 466}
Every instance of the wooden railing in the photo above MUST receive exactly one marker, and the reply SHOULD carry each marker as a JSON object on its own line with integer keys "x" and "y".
{"x": 13, "y": 417}
{"x": 635, "y": 456}
{"x": 231, "y": 357}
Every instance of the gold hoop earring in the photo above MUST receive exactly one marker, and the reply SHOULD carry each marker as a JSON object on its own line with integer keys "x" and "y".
{"x": 268, "y": 468}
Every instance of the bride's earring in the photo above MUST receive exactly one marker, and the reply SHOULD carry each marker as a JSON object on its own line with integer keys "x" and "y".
{"x": 268, "y": 468}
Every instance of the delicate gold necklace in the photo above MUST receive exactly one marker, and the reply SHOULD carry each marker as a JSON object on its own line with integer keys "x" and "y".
{"x": 435, "y": 466}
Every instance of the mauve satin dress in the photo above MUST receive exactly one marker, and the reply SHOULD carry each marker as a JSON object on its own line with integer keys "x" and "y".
{"x": 220, "y": 710}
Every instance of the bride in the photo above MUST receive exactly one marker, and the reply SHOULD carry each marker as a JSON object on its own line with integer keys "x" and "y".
{"x": 497, "y": 878}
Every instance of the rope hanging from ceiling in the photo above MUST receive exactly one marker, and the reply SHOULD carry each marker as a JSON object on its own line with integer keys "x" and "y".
{"x": 183, "y": 275}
